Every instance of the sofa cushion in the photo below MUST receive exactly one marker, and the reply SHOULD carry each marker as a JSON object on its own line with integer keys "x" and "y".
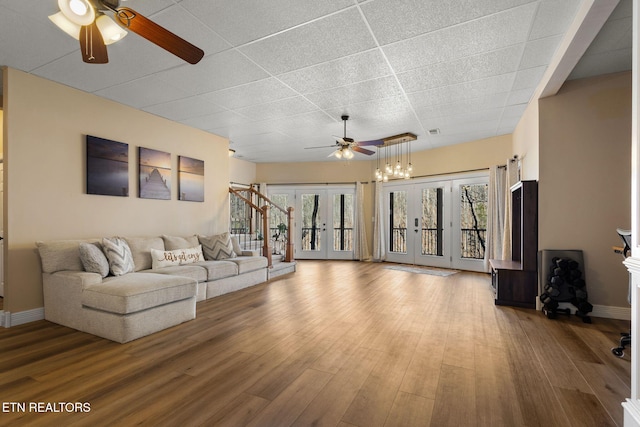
{"x": 194, "y": 271}
{"x": 219, "y": 269}
{"x": 137, "y": 291}
{"x": 217, "y": 247}
{"x": 119, "y": 255}
{"x": 172, "y": 242}
{"x": 93, "y": 259}
{"x": 161, "y": 259}
{"x": 141, "y": 250}
{"x": 60, "y": 255}
{"x": 249, "y": 263}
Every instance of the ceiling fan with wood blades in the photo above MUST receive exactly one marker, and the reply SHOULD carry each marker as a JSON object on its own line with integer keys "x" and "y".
{"x": 345, "y": 146}
{"x": 86, "y": 21}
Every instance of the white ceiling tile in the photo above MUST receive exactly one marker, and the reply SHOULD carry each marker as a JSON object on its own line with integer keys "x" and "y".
{"x": 465, "y": 69}
{"x": 184, "y": 108}
{"x": 214, "y": 72}
{"x": 553, "y": 17}
{"x": 28, "y": 49}
{"x": 318, "y": 41}
{"x": 465, "y": 106}
{"x": 385, "y": 87}
{"x": 471, "y": 38}
{"x": 520, "y": 96}
{"x": 539, "y": 52}
{"x": 277, "y": 109}
{"x": 393, "y": 20}
{"x": 462, "y": 91}
{"x": 254, "y": 93}
{"x": 213, "y": 121}
{"x": 243, "y": 21}
{"x": 142, "y": 92}
{"x": 339, "y": 72}
{"x": 529, "y": 78}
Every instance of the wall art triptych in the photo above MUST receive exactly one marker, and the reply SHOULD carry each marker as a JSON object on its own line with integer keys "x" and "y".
{"x": 108, "y": 172}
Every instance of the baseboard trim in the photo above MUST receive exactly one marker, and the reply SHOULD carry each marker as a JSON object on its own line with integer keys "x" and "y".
{"x": 631, "y": 413}
{"x": 606, "y": 311}
{"x": 14, "y": 319}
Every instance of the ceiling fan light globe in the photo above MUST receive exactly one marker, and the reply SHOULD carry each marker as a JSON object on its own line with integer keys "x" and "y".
{"x": 80, "y": 12}
{"x": 65, "y": 25}
{"x": 111, "y": 32}
{"x": 338, "y": 154}
{"x": 348, "y": 154}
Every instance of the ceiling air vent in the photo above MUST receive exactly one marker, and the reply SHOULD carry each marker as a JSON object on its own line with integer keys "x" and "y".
{"x": 434, "y": 131}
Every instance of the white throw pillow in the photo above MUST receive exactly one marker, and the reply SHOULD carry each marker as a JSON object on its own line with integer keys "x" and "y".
{"x": 160, "y": 259}
{"x": 217, "y": 247}
{"x": 119, "y": 255}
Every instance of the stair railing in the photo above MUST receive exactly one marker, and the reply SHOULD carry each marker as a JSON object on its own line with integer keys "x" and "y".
{"x": 252, "y": 198}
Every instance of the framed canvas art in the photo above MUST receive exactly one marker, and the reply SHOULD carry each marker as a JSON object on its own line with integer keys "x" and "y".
{"x": 154, "y": 173}
{"x": 107, "y": 167}
{"x": 191, "y": 179}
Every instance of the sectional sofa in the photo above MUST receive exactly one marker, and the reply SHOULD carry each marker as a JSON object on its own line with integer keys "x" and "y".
{"x": 125, "y": 288}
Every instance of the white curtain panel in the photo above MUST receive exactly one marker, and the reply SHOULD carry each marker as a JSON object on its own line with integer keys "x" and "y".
{"x": 379, "y": 244}
{"x": 361, "y": 249}
{"x": 495, "y": 226}
{"x": 510, "y": 181}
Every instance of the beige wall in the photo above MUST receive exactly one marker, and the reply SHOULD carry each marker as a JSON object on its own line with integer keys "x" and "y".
{"x": 45, "y": 125}
{"x": 474, "y": 155}
{"x": 526, "y": 142}
{"x": 584, "y": 185}
{"x": 242, "y": 171}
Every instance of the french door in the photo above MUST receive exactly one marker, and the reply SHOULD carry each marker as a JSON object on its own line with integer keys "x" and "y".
{"x": 324, "y": 220}
{"x": 438, "y": 223}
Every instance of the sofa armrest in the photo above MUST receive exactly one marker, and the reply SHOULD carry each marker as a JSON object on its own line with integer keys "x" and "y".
{"x": 63, "y": 296}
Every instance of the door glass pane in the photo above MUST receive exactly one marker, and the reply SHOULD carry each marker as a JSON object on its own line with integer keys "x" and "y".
{"x": 311, "y": 222}
{"x": 432, "y": 221}
{"x": 343, "y": 214}
{"x": 277, "y": 219}
{"x": 398, "y": 221}
{"x": 473, "y": 220}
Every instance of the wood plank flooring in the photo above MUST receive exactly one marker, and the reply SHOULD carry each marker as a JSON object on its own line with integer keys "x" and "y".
{"x": 337, "y": 343}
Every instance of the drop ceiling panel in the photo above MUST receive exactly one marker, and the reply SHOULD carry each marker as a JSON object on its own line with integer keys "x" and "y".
{"x": 553, "y": 17}
{"x": 471, "y": 38}
{"x": 242, "y": 21}
{"x": 214, "y": 72}
{"x": 394, "y": 20}
{"x": 539, "y": 52}
{"x": 143, "y": 92}
{"x": 184, "y": 108}
{"x": 254, "y": 93}
{"x": 465, "y": 69}
{"x": 278, "y": 109}
{"x": 215, "y": 120}
{"x": 492, "y": 101}
{"x": 467, "y": 90}
{"x": 339, "y": 72}
{"x": 385, "y": 87}
{"x": 312, "y": 43}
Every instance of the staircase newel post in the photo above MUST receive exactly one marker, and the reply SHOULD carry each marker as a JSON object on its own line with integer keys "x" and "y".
{"x": 266, "y": 250}
{"x": 288, "y": 257}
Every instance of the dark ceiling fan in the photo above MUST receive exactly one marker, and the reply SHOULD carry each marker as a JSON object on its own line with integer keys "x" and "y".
{"x": 85, "y": 20}
{"x": 344, "y": 146}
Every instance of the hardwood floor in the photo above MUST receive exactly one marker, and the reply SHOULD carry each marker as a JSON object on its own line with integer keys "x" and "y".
{"x": 334, "y": 344}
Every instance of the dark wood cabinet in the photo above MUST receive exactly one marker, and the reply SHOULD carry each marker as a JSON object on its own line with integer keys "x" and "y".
{"x": 515, "y": 280}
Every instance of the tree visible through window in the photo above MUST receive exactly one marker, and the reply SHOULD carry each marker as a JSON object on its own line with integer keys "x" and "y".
{"x": 473, "y": 220}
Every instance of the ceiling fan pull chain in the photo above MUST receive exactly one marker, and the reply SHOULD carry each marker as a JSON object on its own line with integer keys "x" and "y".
{"x": 91, "y": 57}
